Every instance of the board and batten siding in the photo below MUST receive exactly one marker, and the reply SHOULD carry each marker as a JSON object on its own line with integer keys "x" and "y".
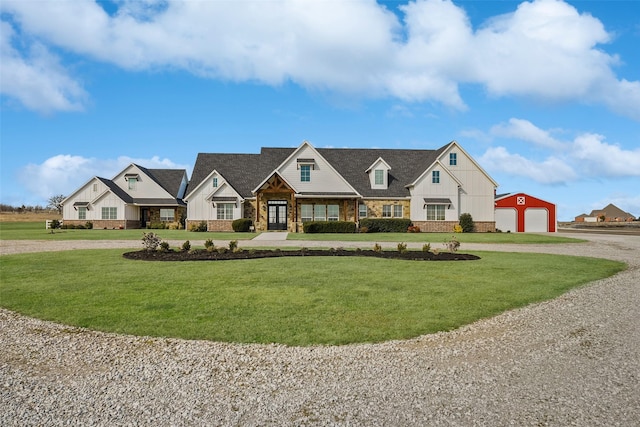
{"x": 323, "y": 176}
{"x": 201, "y": 209}
{"x": 477, "y": 192}
{"x": 85, "y": 194}
{"x": 145, "y": 187}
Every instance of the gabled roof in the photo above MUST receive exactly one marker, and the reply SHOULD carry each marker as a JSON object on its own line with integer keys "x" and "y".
{"x": 405, "y": 165}
{"x": 246, "y": 172}
{"x": 243, "y": 171}
{"x": 611, "y": 211}
{"x": 169, "y": 179}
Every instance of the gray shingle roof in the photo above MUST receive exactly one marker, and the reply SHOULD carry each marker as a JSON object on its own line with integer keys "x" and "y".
{"x": 169, "y": 179}
{"x": 245, "y": 171}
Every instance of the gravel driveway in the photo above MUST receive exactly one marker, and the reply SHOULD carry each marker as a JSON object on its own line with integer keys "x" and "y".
{"x": 573, "y": 361}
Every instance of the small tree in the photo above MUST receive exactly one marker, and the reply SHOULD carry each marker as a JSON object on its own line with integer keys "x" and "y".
{"x": 55, "y": 202}
{"x": 466, "y": 222}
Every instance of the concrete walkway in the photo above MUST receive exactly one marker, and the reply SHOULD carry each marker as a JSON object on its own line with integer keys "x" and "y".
{"x": 273, "y": 236}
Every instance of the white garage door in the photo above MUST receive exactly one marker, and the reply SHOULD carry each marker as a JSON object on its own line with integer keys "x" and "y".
{"x": 506, "y": 219}
{"x": 536, "y": 220}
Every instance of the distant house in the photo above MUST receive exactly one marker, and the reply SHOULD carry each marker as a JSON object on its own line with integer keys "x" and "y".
{"x": 281, "y": 188}
{"x": 610, "y": 213}
{"x": 134, "y": 198}
{"x": 521, "y": 212}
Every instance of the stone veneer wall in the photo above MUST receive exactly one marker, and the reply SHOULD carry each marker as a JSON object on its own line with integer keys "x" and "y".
{"x": 447, "y": 226}
{"x": 219, "y": 225}
{"x": 374, "y": 207}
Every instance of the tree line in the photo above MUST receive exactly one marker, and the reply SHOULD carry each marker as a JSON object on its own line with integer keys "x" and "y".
{"x": 54, "y": 204}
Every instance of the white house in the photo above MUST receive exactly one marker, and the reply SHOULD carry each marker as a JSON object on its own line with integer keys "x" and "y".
{"x": 134, "y": 198}
{"x": 281, "y": 188}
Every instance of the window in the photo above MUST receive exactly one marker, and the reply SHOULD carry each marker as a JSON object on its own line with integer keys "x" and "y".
{"x": 167, "y": 215}
{"x": 333, "y": 212}
{"x": 82, "y": 212}
{"x": 362, "y": 210}
{"x": 379, "y": 177}
{"x": 132, "y": 183}
{"x": 391, "y": 211}
{"x": 453, "y": 159}
{"x": 224, "y": 211}
{"x": 319, "y": 212}
{"x": 306, "y": 213}
{"x": 215, "y": 181}
{"x": 435, "y": 212}
{"x": 305, "y": 173}
{"x": 435, "y": 177}
{"x": 109, "y": 213}
{"x": 95, "y": 188}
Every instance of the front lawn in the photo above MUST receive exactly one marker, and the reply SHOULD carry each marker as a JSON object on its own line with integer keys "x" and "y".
{"x": 295, "y": 301}
{"x": 36, "y": 231}
{"x": 437, "y": 238}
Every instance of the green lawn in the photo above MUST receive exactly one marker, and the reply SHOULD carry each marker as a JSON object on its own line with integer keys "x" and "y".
{"x": 295, "y": 301}
{"x": 523, "y": 238}
{"x": 36, "y": 231}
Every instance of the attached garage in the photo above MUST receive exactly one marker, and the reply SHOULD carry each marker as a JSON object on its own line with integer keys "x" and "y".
{"x": 521, "y": 212}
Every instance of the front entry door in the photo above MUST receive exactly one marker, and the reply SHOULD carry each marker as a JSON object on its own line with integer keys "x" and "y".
{"x": 277, "y": 215}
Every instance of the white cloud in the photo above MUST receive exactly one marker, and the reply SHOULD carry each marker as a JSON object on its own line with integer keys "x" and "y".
{"x": 545, "y": 49}
{"x": 600, "y": 159}
{"x": 586, "y": 157}
{"x": 63, "y": 173}
{"x": 549, "y": 171}
{"x": 526, "y": 131}
{"x": 36, "y": 79}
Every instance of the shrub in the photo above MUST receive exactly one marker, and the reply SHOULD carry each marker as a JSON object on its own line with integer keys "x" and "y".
{"x": 329, "y": 227}
{"x": 88, "y": 225}
{"x": 466, "y": 223}
{"x": 164, "y": 246}
{"x": 364, "y": 229}
{"x": 242, "y": 225}
{"x": 79, "y": 227}
{"x": 452, "y": 245}
{"x": 426, "y": 247}
{"x": 200, "y": 227}
{"x": 402, "y": 247}
{"x": 377, "y": 248}
{"x": 209, "y": 244}
{"x": 157, "y": 226}
{"x": 413, "y": 229}
{"x": 150, "y": 241}
{"x": 233, "y": 245}
{"x": 385, "y": 225}
{"x": 55, "y": 224}
{"x": 222, "y": 250}
{"x": 186, "y": 246}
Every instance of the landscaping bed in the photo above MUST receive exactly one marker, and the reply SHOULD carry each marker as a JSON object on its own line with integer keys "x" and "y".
{"x": 205, "y": 255}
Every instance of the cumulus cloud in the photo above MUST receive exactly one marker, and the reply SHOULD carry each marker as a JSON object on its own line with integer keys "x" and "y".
{"x": 587, "y": 156}
{"x": 526, "y": 131}
{"x": 545, "y": 49}
{"x": 552, "y": 170}
{"x": 36, "y": 78}
{"x": 62, "y": 173}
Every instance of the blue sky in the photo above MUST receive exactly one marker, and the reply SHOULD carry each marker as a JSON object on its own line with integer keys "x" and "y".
{"x": 545, "y": 94}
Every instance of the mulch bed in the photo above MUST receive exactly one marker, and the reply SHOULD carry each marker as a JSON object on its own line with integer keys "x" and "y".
{"x": 204, "y": 255}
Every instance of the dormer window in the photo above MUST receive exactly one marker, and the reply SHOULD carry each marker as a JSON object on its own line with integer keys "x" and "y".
{"x": 379, "y": 174}
{"x": 379, "y": 177}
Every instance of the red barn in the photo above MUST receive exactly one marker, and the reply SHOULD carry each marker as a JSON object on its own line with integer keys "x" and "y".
{"x": 520, "y": 212}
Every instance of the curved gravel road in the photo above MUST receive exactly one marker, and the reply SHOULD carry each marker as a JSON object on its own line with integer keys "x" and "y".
{"x": 573, "y": 361}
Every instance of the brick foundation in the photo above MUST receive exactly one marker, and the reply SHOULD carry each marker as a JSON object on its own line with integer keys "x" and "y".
{"x": 447, "y": 226}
